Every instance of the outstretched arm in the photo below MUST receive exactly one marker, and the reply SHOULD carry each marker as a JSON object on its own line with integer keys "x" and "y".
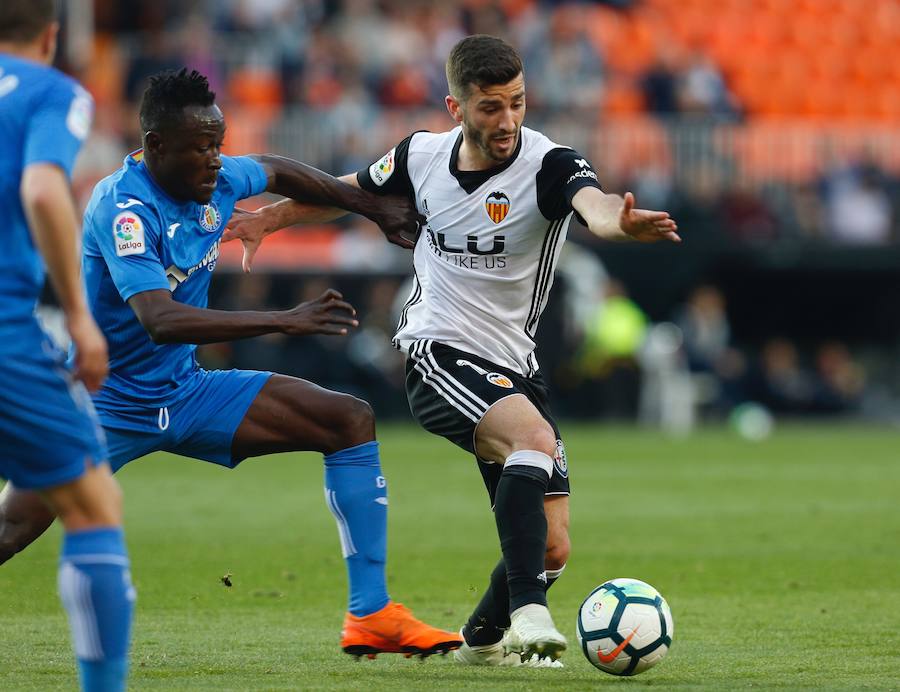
{"x": 612, "y": 217}
{"x": 252, "y": 227}
{"x": 169, "y": 322}
{"x": 313, "y": 188}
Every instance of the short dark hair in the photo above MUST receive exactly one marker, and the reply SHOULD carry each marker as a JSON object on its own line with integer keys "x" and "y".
{"x": 481, "y": 60}
{"x": 168, "y": 94}
{"x": 23, "y": 20}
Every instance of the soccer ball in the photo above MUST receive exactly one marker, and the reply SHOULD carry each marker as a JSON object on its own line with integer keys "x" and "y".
{"x": 625, "y": 627}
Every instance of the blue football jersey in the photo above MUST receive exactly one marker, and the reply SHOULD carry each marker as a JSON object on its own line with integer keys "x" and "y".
{"x": 44, "y": 118}
{"x": 137, "y": 238}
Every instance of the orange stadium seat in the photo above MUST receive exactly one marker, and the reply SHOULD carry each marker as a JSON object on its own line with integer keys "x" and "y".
{"x": 814, "y": 59}
{"x": 622, "y": 97}
{"x": 105, "y": 74}
{"x": 255, "y": 87}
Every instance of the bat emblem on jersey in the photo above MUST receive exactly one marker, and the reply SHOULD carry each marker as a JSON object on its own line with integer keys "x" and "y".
{"x": 499, "y": 380}
{"x": 494, "y": 378}
{"x": 497, "y": 206}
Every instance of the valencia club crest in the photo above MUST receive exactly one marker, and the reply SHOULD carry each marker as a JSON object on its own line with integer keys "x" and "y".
{"x": 497, "y": 206}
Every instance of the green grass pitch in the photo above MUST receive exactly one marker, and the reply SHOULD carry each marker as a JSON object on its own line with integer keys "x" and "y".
{"x": 780, "y": 560}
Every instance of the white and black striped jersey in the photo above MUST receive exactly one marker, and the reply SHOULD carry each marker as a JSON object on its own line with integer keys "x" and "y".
{"x": 485, "y": 259}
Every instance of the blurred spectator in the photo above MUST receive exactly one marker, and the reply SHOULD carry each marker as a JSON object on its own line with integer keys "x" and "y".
{"x": 841, "y": 379}
{"x": 659, "y": 84}
{"x": 563, "y": 64}
{"x": 718, "y": 367}
{"x": 859, "y": 208}
{"x": 745, "y": 214}
{"x": 607, "y": 366}
{"x": 807, "y": 214}
{"x": 780, "y": 382}
{"x": 702, "y": 90}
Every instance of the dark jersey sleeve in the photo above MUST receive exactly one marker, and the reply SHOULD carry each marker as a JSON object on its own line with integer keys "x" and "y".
{"x": 563, "y": 173}
{"x": 389, "y": 174}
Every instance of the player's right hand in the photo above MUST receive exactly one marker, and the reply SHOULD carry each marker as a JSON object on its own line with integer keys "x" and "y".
{"x": 327, "y": 314}
{"x": 399, "y": 220}
{"x": 250, "y": 227}
{"x": 91, "y": 360}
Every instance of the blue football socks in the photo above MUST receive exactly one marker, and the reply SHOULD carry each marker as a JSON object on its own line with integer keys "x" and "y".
{"x": 96, "y": 591}
{"x": 356, "y": 494}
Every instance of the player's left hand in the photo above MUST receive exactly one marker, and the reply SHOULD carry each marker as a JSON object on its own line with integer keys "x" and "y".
{"x": 250, "y": 227}
{"x": 399, "y": 220}
{"x": 91, "y": 358}
{"x": 647, "y": 226}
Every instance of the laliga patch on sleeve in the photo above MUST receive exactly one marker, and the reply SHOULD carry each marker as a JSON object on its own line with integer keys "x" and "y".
{"x": 128, "y": 234}
{"x": 81, "y": 112}
{"x": 382, "y": 170}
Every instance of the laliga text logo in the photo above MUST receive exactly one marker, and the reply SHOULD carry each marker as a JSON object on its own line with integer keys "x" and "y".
{"x": 128, "y": 234}
{"x": 126, "y": 226}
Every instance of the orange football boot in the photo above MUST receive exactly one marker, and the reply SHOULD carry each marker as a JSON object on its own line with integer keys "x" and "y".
{"x": 394, "y": 630}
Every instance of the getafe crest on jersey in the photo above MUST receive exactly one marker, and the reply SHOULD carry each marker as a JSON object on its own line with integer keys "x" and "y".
{"x": 497, "y": 206}
{"x": 210, "y": 218}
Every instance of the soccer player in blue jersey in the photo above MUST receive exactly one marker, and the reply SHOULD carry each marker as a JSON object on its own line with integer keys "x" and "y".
{"x": 50, "y": 441}
{"x": 152, "y": 233}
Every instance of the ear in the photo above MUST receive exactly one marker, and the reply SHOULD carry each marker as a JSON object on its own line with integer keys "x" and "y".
{"x": 48, "y": 42}
{"x": 153, "y": 142}
{"x": 454, "y": 107}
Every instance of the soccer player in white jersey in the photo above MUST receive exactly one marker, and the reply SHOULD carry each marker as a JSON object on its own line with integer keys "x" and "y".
{"x": 498, "y": 198}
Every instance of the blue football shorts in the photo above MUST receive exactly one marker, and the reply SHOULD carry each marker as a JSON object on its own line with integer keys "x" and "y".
{"x": 49, "y": 433}
{"x": 200, "y": 424}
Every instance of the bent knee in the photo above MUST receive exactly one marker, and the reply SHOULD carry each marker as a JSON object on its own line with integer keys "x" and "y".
{"x": 540, "y": 438}
{"x": 354, "y": 424}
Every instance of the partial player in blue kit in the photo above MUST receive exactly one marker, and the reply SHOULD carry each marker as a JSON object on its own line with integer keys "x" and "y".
{"x": 50, "y": 440}
{"x": 152, "y": 234}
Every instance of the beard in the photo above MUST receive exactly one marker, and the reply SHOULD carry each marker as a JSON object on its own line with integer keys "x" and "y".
{"x": 483, "y": 142}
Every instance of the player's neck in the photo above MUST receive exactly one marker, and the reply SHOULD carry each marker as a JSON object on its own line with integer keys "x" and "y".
{"x": 32, "y": 52}
{"x": 470, "y": 158}
{"x": 159, "y": 181}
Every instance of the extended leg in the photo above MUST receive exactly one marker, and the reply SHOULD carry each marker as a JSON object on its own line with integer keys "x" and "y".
{"x": 514, "y": 433}
{"x": 294, "y": 415}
